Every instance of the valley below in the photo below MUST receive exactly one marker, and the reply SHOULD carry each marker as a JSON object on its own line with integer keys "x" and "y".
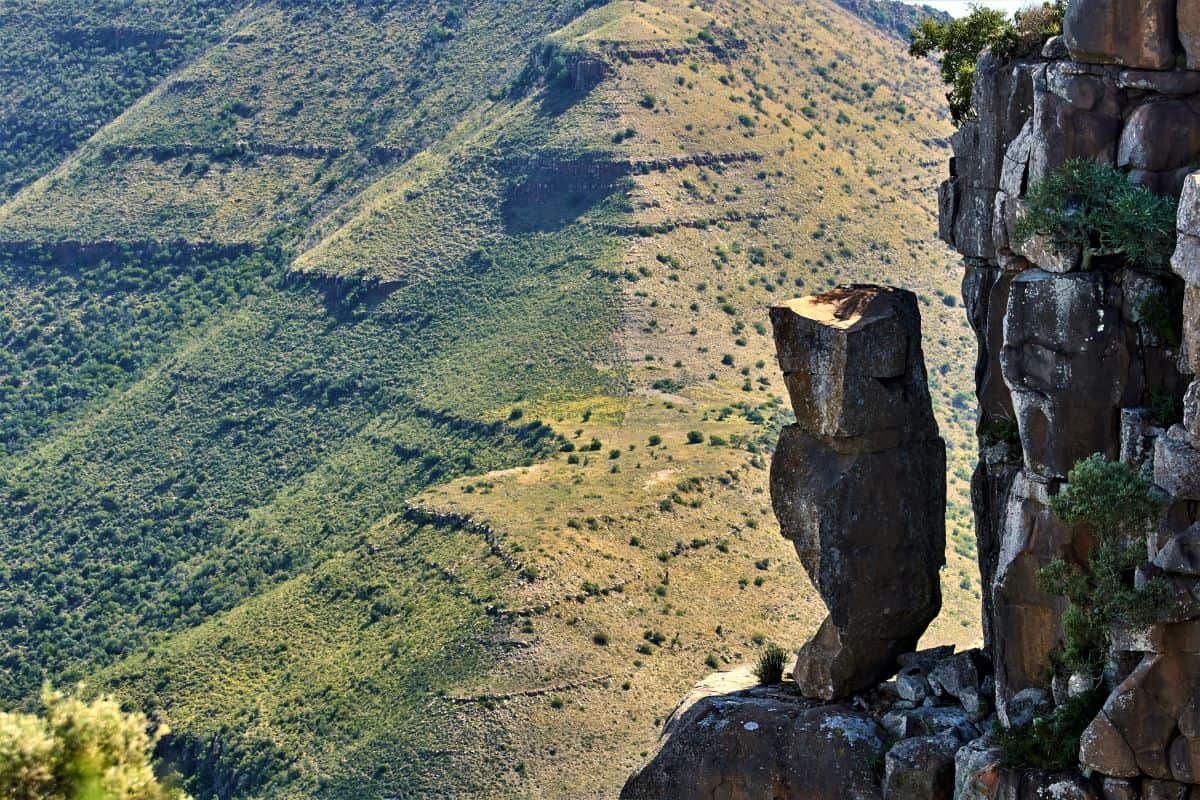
{"x": 387, "y": 390}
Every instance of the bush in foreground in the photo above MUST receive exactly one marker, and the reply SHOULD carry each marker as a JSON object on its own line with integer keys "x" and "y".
{"x": 79, "y": 751}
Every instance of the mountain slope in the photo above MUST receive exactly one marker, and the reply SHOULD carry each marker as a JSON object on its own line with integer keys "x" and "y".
{"x": 67, "y": 68}
{"x": 356, "y": 371}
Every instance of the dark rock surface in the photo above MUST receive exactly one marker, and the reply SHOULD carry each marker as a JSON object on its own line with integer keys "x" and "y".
{"x": 761, "y": 743}
{"x": 731, "y": 740}
{"x": 858, "y": 484}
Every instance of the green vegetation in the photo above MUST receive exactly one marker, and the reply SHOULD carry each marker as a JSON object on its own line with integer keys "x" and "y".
{"x": 318, "y": 363}
{"x": 69, "y": 67}
{"x": 1000, "y": 430}
{"x": 1094, "y": 207}
{"x": 63, "y": 341}
{"x": 1051, "y": 742}
{"x": 961, "y": 42}
{"x": 79, "y": 751}
{"x": 770, "y": 666}
{"x": 898, "y": 18}
{"x": 265, "y": 414}
{"x": 1118, "y": 505}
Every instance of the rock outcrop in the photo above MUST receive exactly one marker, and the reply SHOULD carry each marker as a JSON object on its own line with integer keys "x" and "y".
{"x": 762, "y": 742}
{"x": 859, "y": 482}
{"x": 1082, "y": 351}
{"x": 731, "y": 740}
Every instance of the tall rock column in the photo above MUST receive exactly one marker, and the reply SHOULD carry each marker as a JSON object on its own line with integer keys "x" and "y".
{"x": 859, "y": 482}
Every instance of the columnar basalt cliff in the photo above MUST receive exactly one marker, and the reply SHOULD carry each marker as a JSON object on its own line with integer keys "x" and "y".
{"x": 1080, "y": 353}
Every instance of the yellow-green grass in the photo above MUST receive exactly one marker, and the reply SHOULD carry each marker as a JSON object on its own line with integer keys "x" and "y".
{"x": 555, "y": 246}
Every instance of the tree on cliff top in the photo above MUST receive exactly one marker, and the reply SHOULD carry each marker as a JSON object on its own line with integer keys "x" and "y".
{"x": 79, "y": 751}
{"x": 961, "y": 42}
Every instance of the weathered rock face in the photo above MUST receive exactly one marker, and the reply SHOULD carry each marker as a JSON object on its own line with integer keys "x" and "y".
{"x": 852, "y": 363}
{"x": 1079, "y": 357}
{"x": 1071, "y": 360}
{"x": 729, "y": 740}
{"x": 1062, "y": 348}
{"x": 1004, "y": 96}
{"x": 1150, "y": 724}
{"x": 762, "y": 743}
{"x": 1026, "y": 625}
{"x": 1136, "y": 33}
{"x": 859, "y": 482}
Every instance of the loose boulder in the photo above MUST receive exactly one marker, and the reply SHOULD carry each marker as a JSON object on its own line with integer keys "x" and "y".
{"x": 921, "y": 768}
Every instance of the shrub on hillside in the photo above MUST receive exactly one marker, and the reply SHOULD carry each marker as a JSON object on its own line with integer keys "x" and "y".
{"x": 1095, "y": 207}
{"x": 79, "y": 751}
{"x": 770, "y": 666}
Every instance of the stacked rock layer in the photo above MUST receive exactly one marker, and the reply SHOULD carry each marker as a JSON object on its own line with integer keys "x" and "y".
{"x": 859, "y": 482}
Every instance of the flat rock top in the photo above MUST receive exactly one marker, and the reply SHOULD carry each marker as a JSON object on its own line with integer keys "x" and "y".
{"x": 846, "y": 307}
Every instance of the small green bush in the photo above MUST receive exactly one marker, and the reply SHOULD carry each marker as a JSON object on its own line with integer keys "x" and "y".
{"x": 1052, "y": 742}
{"x": 1000, "y": 430}
{"x": 1119, "y": 505}
{"x": 771, "y": 662}
{"x": 1095, "y": 207}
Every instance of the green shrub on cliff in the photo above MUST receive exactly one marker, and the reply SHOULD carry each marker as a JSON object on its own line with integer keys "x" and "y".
{"x": 1118, "y": 504}
{"x": 1094, "y": 207}
{"x": 961, "y": 41}
{"x": 1051, "y": 742}
{"x": 79, "y": 751}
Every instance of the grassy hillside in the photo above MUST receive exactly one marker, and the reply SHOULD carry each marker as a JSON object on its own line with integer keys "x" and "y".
{"x": 67, "y": 68}
{"x": 389, "y": 389}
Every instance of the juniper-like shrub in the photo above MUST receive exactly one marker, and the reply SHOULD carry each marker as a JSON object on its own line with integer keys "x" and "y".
{"x": 1051, "y": 742}
{"x": 1118, "y": 504}
{"x": 1094, "y": 206}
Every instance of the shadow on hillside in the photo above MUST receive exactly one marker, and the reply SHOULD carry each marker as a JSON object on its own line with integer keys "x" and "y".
{"x": 555, "y": 192}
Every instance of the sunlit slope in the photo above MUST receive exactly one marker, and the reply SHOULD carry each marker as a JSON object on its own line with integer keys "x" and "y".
{"x": 283, "y": 119}
{"x": 428, "y": 457}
